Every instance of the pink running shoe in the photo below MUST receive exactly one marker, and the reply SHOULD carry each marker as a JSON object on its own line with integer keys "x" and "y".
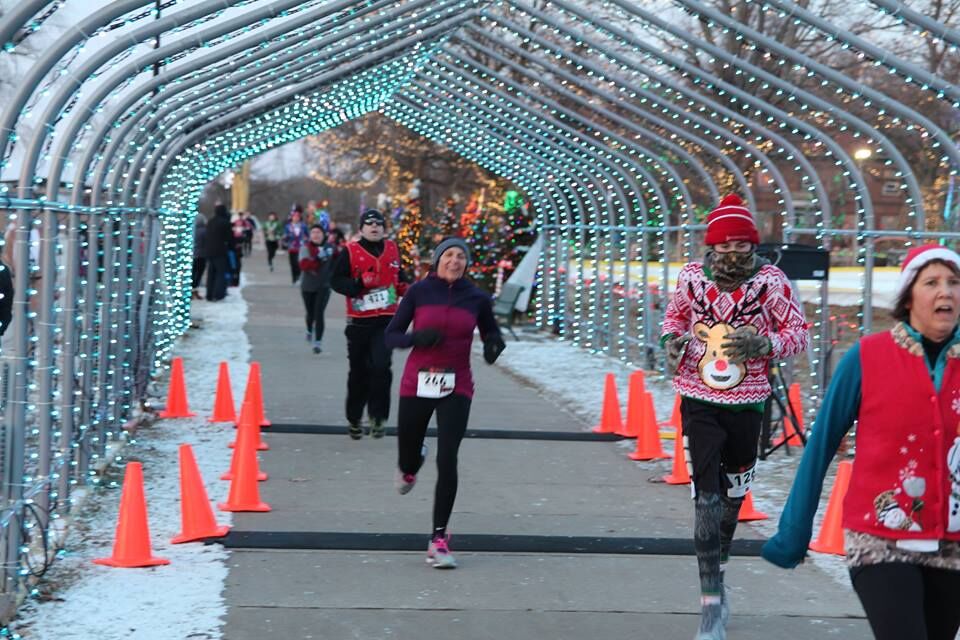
{"x": 438, "y": 554}
{"x": 404, "y": 482}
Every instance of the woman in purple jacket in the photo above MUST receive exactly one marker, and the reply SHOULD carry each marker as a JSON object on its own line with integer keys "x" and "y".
{"x": 444, "y": 308}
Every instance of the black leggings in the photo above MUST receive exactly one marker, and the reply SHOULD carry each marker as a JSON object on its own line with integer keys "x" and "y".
{"x": 315, "y": 303}
{"x": 909, "y": 601}
{"x": 370, "y": 375}
{"x": 413, "y": 416}
{"x": 271, "y": 251}
{"x": 294, "y": 257}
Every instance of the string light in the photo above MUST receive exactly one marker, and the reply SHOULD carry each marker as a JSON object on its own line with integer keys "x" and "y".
{"x": 611, "y": 140}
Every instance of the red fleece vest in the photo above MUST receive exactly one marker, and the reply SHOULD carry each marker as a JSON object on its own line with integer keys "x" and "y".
{"x": 377, "y": 273}
{"x": 907, "y": 438}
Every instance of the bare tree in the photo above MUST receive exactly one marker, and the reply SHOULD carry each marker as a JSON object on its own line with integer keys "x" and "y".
{"x": 376, "y": 155}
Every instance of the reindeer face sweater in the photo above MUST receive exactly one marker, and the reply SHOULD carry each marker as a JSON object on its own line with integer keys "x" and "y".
{"x": 702, "y": 311}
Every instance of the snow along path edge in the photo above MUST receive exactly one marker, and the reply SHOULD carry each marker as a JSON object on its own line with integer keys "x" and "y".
{"x": 184, "y": 599}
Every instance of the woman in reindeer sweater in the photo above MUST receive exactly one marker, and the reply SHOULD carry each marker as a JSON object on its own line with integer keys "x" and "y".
{"x": 729, "y": 316}
{"x": 444, "y": 308}
{"x": 901, "y": 513}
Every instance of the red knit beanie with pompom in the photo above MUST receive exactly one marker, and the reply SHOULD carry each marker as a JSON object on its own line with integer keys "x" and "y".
{"x": 731, "y": 221}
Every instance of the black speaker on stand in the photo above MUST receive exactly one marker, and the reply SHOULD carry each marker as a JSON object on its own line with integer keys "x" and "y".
{"x": 798, "y": 262}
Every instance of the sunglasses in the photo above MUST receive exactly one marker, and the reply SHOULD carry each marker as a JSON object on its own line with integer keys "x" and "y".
{"x": 373, "y": 222}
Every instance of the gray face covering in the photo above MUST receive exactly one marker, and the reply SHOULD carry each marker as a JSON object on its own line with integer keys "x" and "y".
{"x": 730, "y": 270}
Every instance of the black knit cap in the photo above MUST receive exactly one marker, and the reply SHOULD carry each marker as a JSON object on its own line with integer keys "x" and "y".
{"x": 449, "y": 243}
{"x": 371, "y": 215}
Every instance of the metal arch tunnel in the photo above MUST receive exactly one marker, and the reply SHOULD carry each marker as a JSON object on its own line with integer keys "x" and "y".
{"x": 110, "y": 137}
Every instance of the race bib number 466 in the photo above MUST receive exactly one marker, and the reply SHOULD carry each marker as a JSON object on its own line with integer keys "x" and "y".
{"x": 434, "y": 383}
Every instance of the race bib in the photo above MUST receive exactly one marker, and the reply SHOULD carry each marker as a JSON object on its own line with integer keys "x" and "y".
{"x": 435, "y": 383}
{"x": 376, "y": 299}
{"x": 740, "y": 482}
{"x": 921, "y": 546}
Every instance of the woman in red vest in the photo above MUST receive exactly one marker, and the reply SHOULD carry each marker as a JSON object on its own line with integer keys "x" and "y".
{"x": 901, "y": 513}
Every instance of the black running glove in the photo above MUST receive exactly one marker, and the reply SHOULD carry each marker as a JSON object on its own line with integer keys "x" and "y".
{"x": 357, "y": 288}
{"x": 493, "y": 346}
{"x": 352, "y": 288}
{"x": 427, "y": 338}
{"x": 744, "y": 343}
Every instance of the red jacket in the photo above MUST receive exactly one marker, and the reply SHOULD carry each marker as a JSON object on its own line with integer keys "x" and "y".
{"x": 908, "y": 443}
{"x": 381, "y": 280}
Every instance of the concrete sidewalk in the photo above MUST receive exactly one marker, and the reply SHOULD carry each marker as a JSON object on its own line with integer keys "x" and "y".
{"x": 328, "y": 483}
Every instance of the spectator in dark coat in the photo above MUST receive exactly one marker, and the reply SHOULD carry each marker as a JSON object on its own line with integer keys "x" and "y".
{"x": 6, "y": 297}
{"x": 199, "y": 261}
{"x": 218, "y": 242}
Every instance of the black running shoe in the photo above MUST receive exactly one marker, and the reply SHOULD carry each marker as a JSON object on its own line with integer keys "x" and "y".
{"x": 355, "y": 431}
{"x": 376, "y": 431}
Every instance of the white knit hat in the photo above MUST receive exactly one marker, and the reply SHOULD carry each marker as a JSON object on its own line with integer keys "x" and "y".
{"x": 917, "y": 258}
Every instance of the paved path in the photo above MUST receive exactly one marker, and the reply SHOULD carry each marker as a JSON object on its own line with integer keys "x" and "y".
{"x": 329, "y": 487}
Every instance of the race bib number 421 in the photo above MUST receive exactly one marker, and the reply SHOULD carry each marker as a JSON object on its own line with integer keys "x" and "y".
{"x": 434, "y": 383}
{"x": 376, "y": 299}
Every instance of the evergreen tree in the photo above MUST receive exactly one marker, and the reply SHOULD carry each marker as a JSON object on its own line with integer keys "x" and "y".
{"x": 482, "y": 243}
{"x": 518, "y": 229}
{"x": 408, "y": 235}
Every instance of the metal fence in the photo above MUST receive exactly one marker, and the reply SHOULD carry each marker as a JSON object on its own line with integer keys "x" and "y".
{"x": 121, "y": 117}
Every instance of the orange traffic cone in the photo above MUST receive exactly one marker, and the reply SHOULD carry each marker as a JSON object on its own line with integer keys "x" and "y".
{"x": 223, "y": 408}
{"x": 635, "y": 400}
{"x": 244, "y": 493}
{"x": 610, "y": 420}
{"x": 248, "y": 422}
{"x": 196, "y": 515}
{"x": 648, "y": 442}
{"x": 254, "y": 394}
{"x": 674, "y": 422}
{"x": 131, "y": 547}
{"x": 680, "y": 473}
{"x": 245, "y": 424}
{"x": 177, "y": 406}
{"x": 748, "y": 512}
{"x": 830, "y": 539}
{"x": 789, "y": 432}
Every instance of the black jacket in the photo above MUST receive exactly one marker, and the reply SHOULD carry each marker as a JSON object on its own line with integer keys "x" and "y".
{"x": 6, "y": 302}
{"x": 219, "y": 237}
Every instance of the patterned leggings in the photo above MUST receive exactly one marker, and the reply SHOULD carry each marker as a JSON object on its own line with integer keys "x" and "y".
{"x": 715, "y": 521}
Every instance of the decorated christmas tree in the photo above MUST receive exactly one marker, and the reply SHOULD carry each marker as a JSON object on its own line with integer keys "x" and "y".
{"x": 442, "y": 224}
{"x": 469, "y": 216}
{"x": 482, "y": 239}
{"x": 518, "y": 232}
{"x": 408, "y": 233}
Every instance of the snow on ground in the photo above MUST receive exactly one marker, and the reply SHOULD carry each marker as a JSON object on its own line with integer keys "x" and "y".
{"x": 81, "y": 600}
{"x": 187, "y": 594}
{"x": 574, "y": 378}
